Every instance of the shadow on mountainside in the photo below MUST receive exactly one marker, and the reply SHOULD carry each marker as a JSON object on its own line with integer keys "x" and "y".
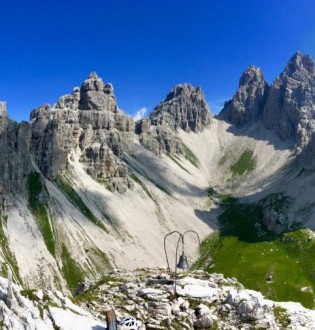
{"x": 242, "y": 217}
{"x": 150, "y": 167}
{"x": 259, "y": 132}
{"x": 279, "y": 265}
{"x": 239, "y": 220}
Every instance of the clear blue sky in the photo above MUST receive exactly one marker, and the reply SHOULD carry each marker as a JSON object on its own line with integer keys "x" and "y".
{"x": 144, "y": 47}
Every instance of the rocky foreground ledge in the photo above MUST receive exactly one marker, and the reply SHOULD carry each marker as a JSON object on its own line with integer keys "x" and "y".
{"x": 204, "y": 301}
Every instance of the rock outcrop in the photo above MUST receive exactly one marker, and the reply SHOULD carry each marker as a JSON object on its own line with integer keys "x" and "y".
{"x": 248, "y": 102}
{"x": 95, "y": 95}
{"x": 184, "y": 107}
{"x": 204, "y": 301}
{"x": 306, "y": 159}
{"x": 287, "y": 106}
{"x": 290, "y": 106}
{"x": 15, "y": 159}
{"x": 3, "y": 112}
{"x": 89, "y": 124}
{"x": 42, "y": 310}
{"x": 275, "y": 212}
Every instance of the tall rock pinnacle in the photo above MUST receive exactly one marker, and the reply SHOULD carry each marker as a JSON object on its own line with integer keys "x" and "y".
{"x": 3, "y": 108}
{"x": 247, "y": 104}
{"x": 3, "y": 115}
{"x": 290, "y": 107}
{"x": 184, "y": 107}
{"x": 95, "y": 95}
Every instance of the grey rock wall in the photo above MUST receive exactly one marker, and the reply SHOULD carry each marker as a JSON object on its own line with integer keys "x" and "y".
{"x": 15, "y": 161}
{"x": 247, "y": 104}
{"x": 286, "y": 107}
{"x": 184, "y": 108}
{"x": 87, "y": 122}
{"x": 290, "y": 106}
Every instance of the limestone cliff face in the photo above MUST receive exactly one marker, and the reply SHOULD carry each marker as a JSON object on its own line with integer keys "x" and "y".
{"x": 161, "y": 139}
{"x": 95, "y": 95}
{"x": 247, "y": 104}
{"x": 290, "y": 106}
{"x": 306, "y": 159}
{"x": 3, "y": 113}
{"x": 287, "y": 106}
{"x": 184, "y": 107}
{"x": 89, "y": 124}
{"x": 14, "y": 147}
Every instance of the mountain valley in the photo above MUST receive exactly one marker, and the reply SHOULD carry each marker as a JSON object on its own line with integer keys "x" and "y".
{"x": 84, "y": 189}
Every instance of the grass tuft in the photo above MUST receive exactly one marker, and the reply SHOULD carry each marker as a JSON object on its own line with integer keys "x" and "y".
{"x": 30, "y": 294}
{"x": 135, "y": 178}
{"x": 72, "y": 272}
{"x": 177, "y": 162}
{"x": 245, "y": 164}
{"x": 106, "y": 184}
{"x": 77, "y": 201}
{"x": 8, "y": 255}
{"x": 281, "y": 316}
{"x": 40, "y": 212}
{"x": 189, "y": 155}
{"x": 93, "y": 292}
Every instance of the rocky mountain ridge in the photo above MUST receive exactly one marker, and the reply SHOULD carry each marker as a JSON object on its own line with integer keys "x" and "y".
{"x": 95, "y": 189}
{"x": 248, "y": 102}
{"x": 84, "y": 130}
{"x": 287, "y": 106}
{"x": 87, "y": 120}
{"x": 183, "y": 108}
{"x": 90, "y": 121}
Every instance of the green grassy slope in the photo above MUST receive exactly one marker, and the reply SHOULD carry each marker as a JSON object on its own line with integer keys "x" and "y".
{"x": 77, "y": 201}
{"x": 7, "y": 254}
{"x": 39, "y": 209}
{"x": 246, "y": 163}
{"x": 245, "y": 250}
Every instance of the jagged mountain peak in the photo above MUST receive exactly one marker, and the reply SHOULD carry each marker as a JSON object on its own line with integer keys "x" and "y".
{"x": 184, "y": 89}
{"x": 93, "y": 75}
{"x": 93, "y": 82}
{"x": 290, "y": 106}
{"x": 299, "y": 62}
{"x": 3, "y": 110}
{"x": 184, "y": 107}
{"x": 247, "y": 104}
{"x": 3, "y": 107}
{"x": 3, "y": 116}
{"x": 250, "y": 75}
{"x": 287, "y": 106}
{"x": 95, "y": 95}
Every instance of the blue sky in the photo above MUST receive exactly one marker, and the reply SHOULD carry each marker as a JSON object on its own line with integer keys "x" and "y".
{"x": 144, "y": 47}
